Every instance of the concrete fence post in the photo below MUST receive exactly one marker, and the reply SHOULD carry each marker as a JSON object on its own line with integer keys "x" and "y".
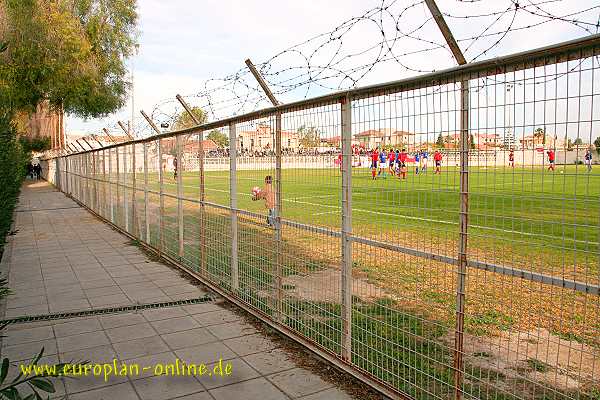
{"x": 110, "y": 187}
{"x": 125, "y": 191}
{"x": 146, "y": 220}
{"x": 203, "y": 218}
{"x": 161, "y": 211}
{"x": 135, "y": 230}
{"x": 278, "y": 233}
{"x": 346, "y": 270}
{"x": 233, "y": 205}
{"x": 463, "y": 239}
{"x": 179, "y": 196}
{"x": 118, "y": 179}
{"x": 104, "y": 208}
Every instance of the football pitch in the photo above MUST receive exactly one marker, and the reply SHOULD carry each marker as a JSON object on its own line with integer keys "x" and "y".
{"x": 526, "y": 218}
{"x": 556, "y": 210}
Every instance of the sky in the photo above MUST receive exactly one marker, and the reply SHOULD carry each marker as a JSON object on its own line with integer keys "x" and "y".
{"x": 184, "y": 43}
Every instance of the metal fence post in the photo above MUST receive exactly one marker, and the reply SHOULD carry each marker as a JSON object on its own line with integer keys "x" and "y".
{"x": 202, "y": 208}
{"x": 135, "y": 223}
{"x": 110, "y": 187}
{"x": 346, "y": 118}
{"x": 80, "y": 178}
{"x": 103, "y": 210}
{"x": 235, "y": 284}
{"x": 146, "y": 221}
{"x": 86, "y": 174}
{"x": 125, "y": 204}
{"x": 462, "y": 243}
{"x": 58, "y": 181}
{"x": 72, "y": 169}
{"x": 83, "y": 184}
{"x": 118, "y": 179}
{"x": 161, "y": 200}
{"x": 94, "y": 182}
{"x": 77, "y": 165}
{"x": 66, "y": 169}
{"x": 179, "y": 196}
{"x": 278, "y": 250}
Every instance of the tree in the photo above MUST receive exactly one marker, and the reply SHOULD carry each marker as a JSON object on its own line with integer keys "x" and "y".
{"x": 69, "y": 52}
{"x": 472, "y": 141}
{"x": 569, "y": 144}
{"x": 219, "y": 138}
{"x": 440, "y": 141}
{"x": 597, "y": 145}
{"x": 578, "y": 141}
{"x": 309, "y": 137}
{"x": 184, "y": 120}
{"x": 539, "y": 132}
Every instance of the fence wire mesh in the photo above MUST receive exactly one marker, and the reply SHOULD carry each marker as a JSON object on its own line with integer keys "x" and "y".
{"x": 439, "y": 235}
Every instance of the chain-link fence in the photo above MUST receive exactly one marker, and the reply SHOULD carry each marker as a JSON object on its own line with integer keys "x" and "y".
{"x": 436, "y": 236}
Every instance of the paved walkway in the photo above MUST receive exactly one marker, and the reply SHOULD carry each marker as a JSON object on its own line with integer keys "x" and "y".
{"x": 63, "y": 259}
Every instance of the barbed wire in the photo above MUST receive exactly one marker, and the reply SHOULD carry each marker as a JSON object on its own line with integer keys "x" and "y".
{"x": 389, "y": 38}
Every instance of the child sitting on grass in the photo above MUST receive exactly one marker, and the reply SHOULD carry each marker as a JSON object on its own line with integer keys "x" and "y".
{"x": 268, "y": 196}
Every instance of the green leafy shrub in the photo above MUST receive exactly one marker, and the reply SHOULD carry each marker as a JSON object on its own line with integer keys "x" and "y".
{"x": 13, "y": 161}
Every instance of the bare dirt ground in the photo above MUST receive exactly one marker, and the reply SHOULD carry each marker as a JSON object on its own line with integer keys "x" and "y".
{"x": 325, "y": 286}
{"x": 537, "y": 356}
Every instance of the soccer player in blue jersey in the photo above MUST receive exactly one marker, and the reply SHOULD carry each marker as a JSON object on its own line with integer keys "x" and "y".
{"x": 382, "y": 162}
{"x": 424, "y": 156}
{"x": 417, "y": 162}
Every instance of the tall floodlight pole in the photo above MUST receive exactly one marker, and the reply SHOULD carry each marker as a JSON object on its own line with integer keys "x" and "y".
{"x": 464, "y": 200}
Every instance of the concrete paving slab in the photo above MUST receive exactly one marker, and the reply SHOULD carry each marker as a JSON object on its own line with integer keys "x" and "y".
{"x": 299, "y": 382}
{"x": 72, "y": 261}
{"x": 164, "y": 388}
{"x": 270, "y": 362}
{"x": 122, "y": 391}
{"x": 140, "y": 347}
{"x": 175, "y": 324}
{"x": 258, "y": 388}
{"x": 188, "y": 338}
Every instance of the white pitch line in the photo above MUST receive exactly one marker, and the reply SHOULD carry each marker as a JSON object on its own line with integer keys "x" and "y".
{"x": 441, "y": 222}
{"x": 326, "y": 212}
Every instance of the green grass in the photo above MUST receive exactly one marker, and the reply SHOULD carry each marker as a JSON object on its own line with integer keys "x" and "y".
{"x": 554, "y": 209}
{"x": 528, "y": 218}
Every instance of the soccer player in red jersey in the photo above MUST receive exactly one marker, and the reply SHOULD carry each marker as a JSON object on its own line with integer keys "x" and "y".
{"x": 374, "y": 158}
{"x": 391, "y": 162}
{"x": 511, "y": 158}
{"x": 551, "y": 159}
{"x": 402, "y": 158}
{"x": 437, "y": 157}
